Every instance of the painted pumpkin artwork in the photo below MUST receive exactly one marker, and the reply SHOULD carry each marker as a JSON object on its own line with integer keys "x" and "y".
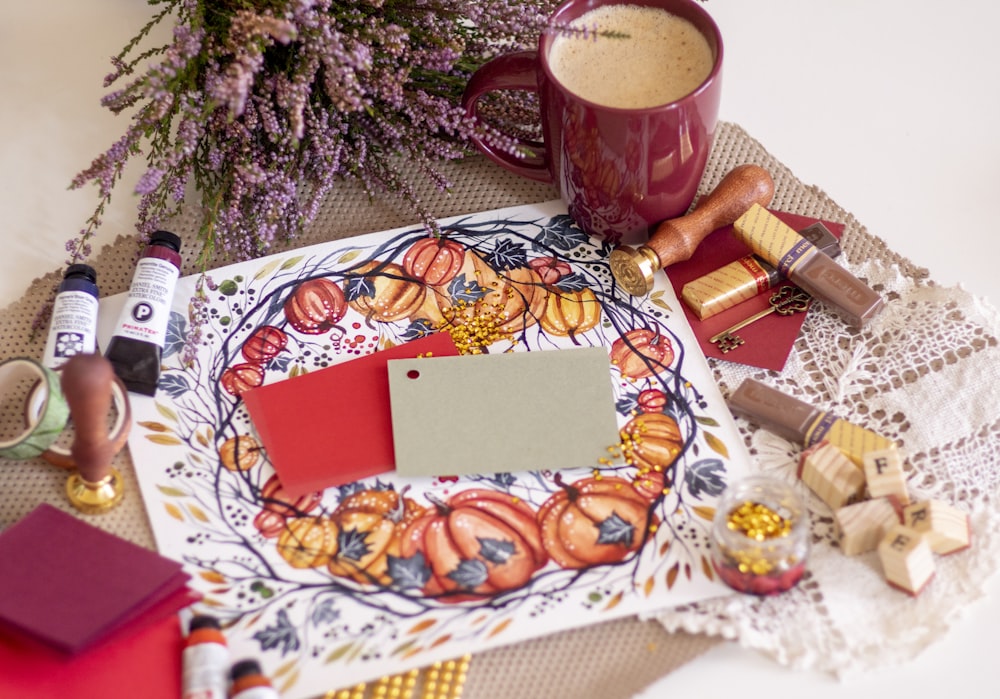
{"x": 434, "y": 260}
{"x": 315, "y": 306}
{"x": 241, "y": 377}
{"x": 308, "y": 542}
{"x": 278, "y": 506}
{"x": 479, "y": 542}
{"x": 371, "y": 524}
{"x": 593, "y": 521}
{"x": 240, "y": 453}
{"x": 642, "y": 353}
{"x": 652, "y": 441}
{"x": 570, "y": 313}
{"x": 389, "y": 573}
{"x": 266, "y": 343}
{"x": 382, "y": 291}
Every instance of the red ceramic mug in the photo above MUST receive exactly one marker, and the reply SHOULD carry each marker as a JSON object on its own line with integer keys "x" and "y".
{"x": 621, "y": 171}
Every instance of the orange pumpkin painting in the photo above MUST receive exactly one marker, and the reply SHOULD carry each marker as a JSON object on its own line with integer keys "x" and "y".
{"x": 479, "y": 542}
{"x": 370, "y": 528}
{"x": 593, "y": 521}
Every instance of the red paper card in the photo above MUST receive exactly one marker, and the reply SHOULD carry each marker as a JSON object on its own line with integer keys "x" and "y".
{"x": 69, "y": 584}
{"x": 143, "y": 663}
{"x": 334, "y": 426}
{"x": 769, "y": 341}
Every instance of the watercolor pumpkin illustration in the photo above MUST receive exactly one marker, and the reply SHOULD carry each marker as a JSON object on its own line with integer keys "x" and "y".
{"x": 593, "y": 521}
{"x": 277, "y": 506}
{"x": 570, "y": 313}
{"x": 241, "y": 377}
{"x": 315, "y": 306}
{"x": 476, "y": 544}
{"x": 434, "y": 260}
{"x": 384, "y": 292}
{"x": 653, "y": 441}
{"x": 641, "y": 353}
{"x": 371, "y": 523}
{"x": 308, "y": 542}
{"x": 264, "y": 344}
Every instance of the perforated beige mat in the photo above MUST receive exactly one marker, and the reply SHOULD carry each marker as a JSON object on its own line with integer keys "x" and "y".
{"x": 614, "y": 659}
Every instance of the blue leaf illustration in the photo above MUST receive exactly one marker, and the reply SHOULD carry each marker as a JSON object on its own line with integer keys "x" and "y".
{"x": 325, "y": 613}
{"x": 561, "y": 233}
{"x": 352, "y": 544}
{"x": 411, "y": 572}
{"x": 615, "y": 530}
{"x": 359, "y": 287}
{"x": 504, "y": 480}
{"x": 705, "y": 477}
{"x": 573, "y": 282}
{"x": 496, "y": 551}
{"x": 176, "y": 332}
{"x": 627, "y": 403}
{"x": 469, "y": 574}
{"x": 282, "y": 635}
{"x": 461, "y": 289}
{"x": 418, "y": 329}
{"x": 507, "y": 255}
{"x": 174, "y": 385}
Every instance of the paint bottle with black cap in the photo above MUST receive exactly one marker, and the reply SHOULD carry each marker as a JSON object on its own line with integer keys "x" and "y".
{"x": 73, "y": 326}
{"x": 249, "y": 682}
{"x": 136, "y": 346}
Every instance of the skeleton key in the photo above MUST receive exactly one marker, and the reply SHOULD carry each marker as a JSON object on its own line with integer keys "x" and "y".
{"x": 785, "y": 301}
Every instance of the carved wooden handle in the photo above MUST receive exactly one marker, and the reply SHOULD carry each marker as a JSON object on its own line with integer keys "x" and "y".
{"x": 86, "y": 383}
{"x": 676, "y": 239}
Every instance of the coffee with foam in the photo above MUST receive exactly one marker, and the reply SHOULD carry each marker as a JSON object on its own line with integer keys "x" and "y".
{"x": 661, "y": 58}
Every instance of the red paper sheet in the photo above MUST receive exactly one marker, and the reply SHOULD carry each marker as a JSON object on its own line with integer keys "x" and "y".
{"x": 767, "y": 342}
{"x": 69, "y": 584}
{"x": 131, "y": 664}
{"x": 334, "y": 426}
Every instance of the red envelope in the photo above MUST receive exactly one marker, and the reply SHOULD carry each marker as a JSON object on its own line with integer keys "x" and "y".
{"x": 334, "y": 426}
{"x": 136, "y": 663}
{"x": 768, "y": 341}
{"x": 68, "y": 584}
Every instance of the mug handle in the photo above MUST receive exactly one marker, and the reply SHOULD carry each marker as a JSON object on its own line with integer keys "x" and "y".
{"x": 512, "y": 71}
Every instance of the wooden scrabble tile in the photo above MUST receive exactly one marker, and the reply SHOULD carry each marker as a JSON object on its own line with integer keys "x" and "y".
{"x": 831, "y": 475}
{"x": 862, "y": 525}
{"x": 946, "y": 528}
{"x": 907, "y": 559}
{"x": 884, "y": 474}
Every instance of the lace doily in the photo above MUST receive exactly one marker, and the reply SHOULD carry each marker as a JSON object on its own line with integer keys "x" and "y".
{"x": 925, "y": 373}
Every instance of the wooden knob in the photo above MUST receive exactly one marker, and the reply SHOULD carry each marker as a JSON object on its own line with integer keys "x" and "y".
{"x": 676, "y": 239}
{"x": 86, "y": 384}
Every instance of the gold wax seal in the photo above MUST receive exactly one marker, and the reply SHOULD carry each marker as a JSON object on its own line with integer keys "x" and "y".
{"x": 633, "y": 269}
{"x": 95, "y": 497}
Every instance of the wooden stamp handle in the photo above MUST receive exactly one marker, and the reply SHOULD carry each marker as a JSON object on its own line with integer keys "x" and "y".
{"x": 86, "y": 384}
{"x": 675, "y": 240}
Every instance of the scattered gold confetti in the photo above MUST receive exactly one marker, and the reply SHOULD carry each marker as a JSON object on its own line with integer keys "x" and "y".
{"x": 759, "y": 522}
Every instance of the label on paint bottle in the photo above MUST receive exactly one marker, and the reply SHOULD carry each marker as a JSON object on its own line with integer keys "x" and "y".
{"x": 260, "y": 692}
{"x": 147, "y": 307}
{"x": 73, "y": 326}
{"x": 204, "y": 673}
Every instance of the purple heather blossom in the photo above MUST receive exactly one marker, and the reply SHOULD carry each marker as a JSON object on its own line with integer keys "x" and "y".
{"x": 259, "y": 112}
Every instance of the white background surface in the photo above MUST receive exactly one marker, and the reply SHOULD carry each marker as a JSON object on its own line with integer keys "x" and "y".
{"x": 891, "y": 107}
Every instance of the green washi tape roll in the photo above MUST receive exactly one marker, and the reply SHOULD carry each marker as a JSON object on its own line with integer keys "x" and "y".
{"x": 48, "y": 421}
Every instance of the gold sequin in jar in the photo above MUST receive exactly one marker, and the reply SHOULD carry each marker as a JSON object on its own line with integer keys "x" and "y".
{"x": 760, "y": 536}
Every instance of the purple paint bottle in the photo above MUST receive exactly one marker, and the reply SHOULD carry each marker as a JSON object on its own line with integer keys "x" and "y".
{"x": 73, "y": 328}
{"x": 137, "y": 344}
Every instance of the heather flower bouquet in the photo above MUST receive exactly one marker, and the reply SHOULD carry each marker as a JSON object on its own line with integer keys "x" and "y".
{"x": 255, "y": 108}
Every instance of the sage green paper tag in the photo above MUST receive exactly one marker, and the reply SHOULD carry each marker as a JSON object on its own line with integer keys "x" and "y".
{"x": 496, "y": 413}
